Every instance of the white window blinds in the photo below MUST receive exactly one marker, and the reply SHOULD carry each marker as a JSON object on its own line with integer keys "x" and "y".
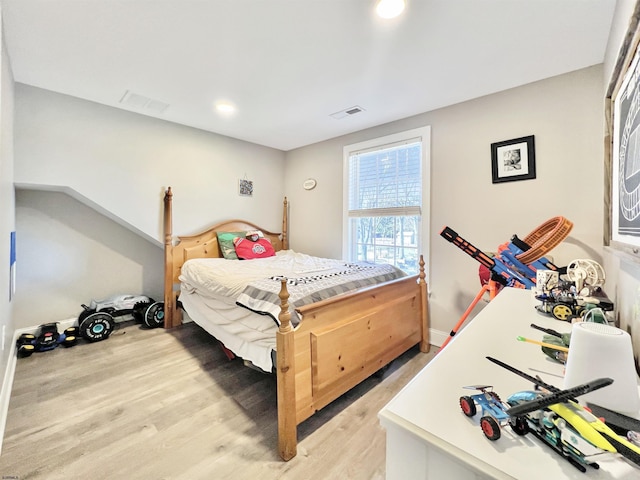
{"x": 386, "y": 180}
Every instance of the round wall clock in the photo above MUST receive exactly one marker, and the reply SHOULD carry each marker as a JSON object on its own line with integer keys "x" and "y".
{"x": 309, "y": 184}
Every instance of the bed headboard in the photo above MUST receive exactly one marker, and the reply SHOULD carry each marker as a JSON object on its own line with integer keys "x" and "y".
{"x": 202, "y": 245}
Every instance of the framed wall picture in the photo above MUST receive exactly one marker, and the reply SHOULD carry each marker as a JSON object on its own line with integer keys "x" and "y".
{"x": 245, "y": 187}
{"x": 622, "y": 185}
{"x": 513, "y": 160}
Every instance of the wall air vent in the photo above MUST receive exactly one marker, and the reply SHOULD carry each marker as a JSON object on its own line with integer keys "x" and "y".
{"x": 143, "y": 104}
{"x": 347, "y": 112}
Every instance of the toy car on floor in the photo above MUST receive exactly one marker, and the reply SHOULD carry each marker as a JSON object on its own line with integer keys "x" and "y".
{"x": 46, "y": 339}
{"x": 98, "y": 320}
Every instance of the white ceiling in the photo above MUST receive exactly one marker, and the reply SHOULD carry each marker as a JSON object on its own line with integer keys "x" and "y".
{"x": 288, "y": 64}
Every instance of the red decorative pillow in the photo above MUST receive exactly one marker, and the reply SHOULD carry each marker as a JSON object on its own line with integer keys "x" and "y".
{"x": 246, "y": 249}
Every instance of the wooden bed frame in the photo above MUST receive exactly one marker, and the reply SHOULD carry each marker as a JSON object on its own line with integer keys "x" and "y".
{"x": 338, "y": 343}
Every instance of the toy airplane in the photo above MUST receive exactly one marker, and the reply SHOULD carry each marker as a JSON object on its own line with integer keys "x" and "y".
{"x": 557, "y": 419}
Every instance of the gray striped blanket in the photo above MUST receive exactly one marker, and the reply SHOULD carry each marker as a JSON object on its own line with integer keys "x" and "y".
{"x": 262, "y": 296}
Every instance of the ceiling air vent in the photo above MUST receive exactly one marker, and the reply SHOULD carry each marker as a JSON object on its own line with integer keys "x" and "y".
{"x": 142, "y": 103}
{"x": 348, "y": 112}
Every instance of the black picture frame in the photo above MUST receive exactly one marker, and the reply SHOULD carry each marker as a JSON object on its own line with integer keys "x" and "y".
{"x": 513, "y": 160}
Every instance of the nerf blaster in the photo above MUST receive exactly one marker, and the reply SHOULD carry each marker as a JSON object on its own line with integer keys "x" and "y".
{"x": 504, "y": 266}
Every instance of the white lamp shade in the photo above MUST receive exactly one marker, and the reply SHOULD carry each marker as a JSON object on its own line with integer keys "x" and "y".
{"x": 597, "y": 351}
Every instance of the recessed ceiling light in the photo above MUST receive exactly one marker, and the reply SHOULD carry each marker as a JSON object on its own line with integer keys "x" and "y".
{"x": 225, "y": 108}
{"x": 390, "y": 8}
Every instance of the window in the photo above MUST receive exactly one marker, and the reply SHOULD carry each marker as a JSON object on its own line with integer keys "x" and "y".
{"x": 384, "y": 211}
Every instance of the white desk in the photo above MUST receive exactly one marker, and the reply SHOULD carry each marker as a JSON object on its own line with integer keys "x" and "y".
{"x": 428, "y": 436}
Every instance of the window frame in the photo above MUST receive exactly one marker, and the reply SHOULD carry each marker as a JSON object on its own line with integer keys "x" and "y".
{"x": 422, "y": 133}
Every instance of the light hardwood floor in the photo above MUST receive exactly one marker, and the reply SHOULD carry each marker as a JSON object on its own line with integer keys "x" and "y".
{"x": 156, "y": 404}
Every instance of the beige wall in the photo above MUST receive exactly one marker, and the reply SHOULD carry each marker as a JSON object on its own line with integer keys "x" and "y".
{"x": 72, "y": 154}
{"x": 7, "y": 225}
{"x": 121, "y": 162}
{"x": 565, "y": 115}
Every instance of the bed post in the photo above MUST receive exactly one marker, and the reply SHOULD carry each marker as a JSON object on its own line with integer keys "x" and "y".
{"x": 285, "y": 225}
{"x": 424, "y": 309}
{"x": 286, "y": 376}
{"x": 168, "y": 261}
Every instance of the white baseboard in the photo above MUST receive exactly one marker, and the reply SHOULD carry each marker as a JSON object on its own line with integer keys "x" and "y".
{"x": 10, "y": 370}
{"x": 5, "y": 394}
{"x": 437, "y": 337}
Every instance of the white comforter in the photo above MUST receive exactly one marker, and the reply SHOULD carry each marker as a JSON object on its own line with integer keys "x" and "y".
{"x": 255, "y": 284}
{"x": 222, "y": 278}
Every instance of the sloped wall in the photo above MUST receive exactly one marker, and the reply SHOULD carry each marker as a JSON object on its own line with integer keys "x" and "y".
{"x": 70, "y": 254}
{"x": 72, "y": 154}
{"x": 122, "y": 162}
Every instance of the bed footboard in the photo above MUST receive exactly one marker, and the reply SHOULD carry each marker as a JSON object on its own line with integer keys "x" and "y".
{"x": 340, "y": 342}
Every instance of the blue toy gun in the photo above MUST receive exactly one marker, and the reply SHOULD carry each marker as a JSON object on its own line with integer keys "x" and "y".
{"x": 505, "y": 268}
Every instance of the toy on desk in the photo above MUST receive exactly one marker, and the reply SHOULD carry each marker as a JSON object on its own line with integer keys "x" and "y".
{"x": 585, "y": 273}
{"x": 556, "y": 418}
{"x": 494, "y": 411}
{"x": 516, "y": 262}
{"x": 620, "y": 423}
{"x": 564, "y": 337}
{"x": 556, "y": 339}
{"x": 578, "y": 296}
{"x": 563, "y": 303}
{"x": 553, "y": 346}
